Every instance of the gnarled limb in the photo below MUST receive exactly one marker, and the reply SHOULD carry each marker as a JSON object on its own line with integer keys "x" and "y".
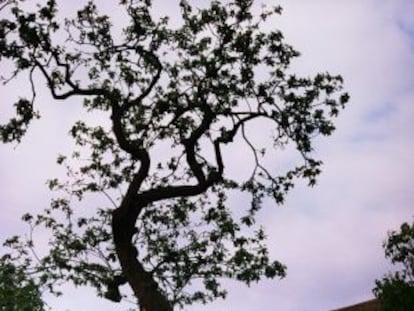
{"x": 142, "y": 282}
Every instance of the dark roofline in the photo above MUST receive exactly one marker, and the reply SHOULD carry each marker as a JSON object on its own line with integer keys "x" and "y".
{"x": 370, "y": 305}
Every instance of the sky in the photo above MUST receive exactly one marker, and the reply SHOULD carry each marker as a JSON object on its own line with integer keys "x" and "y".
{"x": 330, "y": 236}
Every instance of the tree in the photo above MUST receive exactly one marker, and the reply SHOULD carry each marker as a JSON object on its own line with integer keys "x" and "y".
{"x": 18, "y": 292}
{"x": 176, "y": 98}
{"x": 395, "y": 291}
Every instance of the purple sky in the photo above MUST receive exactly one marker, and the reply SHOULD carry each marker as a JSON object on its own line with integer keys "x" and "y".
{"x": 330, "y": 236}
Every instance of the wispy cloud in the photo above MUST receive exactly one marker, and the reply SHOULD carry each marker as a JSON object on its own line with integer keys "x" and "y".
{"x": 330, "y": 236}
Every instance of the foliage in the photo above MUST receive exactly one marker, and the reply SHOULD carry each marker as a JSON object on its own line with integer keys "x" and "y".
{"x": 396, "y": 290}
{"x": 176, "y": 97}
{"x": 18, "y": 292}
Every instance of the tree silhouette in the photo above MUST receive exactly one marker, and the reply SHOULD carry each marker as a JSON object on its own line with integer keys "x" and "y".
{"x": 395, "y": 291}
{"x": 18, "y": 292}
{"x": 177, "y": 98}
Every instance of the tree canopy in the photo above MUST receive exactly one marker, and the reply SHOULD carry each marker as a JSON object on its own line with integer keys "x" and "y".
{"x": 177, "y": 97}
{"x": 18, "y": 292}
{"x": 396, "y": 290}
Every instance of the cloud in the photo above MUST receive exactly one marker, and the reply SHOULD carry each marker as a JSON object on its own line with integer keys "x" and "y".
{"x": 329, "y": 236}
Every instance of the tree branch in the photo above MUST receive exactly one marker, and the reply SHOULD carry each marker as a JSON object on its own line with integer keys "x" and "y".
{"x": 137, "y": 152}
{"x": 76, "y": 91}
{"x": 145, "y": 93}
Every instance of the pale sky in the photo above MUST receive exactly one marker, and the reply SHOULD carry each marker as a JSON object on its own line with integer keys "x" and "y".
{"x": 330, "y": 236}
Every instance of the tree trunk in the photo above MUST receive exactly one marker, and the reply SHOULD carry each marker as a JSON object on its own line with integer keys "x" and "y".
{"x": 145, "y": 288}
